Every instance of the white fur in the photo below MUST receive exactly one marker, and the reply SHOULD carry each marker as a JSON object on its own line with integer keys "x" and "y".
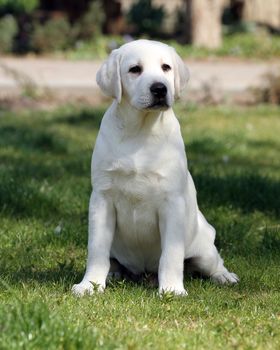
{"x": 143, "y": 209}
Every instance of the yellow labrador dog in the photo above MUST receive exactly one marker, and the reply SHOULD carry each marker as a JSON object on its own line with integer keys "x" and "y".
{"x": 143, "y": 210}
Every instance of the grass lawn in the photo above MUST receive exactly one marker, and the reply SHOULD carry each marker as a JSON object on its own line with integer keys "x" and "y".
{"x": 234, "y": 157}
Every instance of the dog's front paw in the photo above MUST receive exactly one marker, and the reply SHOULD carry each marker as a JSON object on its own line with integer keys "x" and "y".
{"x": 172, "y": 290}
{"x": 224, "y": 277}
{"x": 86, "y": 287}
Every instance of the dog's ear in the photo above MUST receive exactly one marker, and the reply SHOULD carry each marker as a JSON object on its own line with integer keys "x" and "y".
{"x": 108, "y": 76}
{"x": 181, "y": 74}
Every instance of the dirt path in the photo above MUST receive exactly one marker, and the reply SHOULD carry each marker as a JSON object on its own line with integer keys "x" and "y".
{"x": 77, "y": 78}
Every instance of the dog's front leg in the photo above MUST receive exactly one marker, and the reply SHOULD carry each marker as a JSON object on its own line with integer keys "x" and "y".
{"x": 101, "y": 232}
{"x": 172, "y": 217}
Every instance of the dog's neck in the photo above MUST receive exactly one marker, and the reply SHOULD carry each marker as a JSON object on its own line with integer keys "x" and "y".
{"x": 134, "y": 121}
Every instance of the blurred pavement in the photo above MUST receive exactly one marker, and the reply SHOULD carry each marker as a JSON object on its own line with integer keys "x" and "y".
{"x": 222, "y": 79}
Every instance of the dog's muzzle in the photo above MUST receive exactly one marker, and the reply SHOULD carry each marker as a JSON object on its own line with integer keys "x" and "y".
{"x": 159, "y": 93}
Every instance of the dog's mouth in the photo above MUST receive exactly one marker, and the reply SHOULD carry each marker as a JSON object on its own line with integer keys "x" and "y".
{"x": 159, "y": 104}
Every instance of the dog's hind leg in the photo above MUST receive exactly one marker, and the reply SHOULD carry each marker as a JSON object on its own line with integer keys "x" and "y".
{"x": 207, "y": 260}
{"x": 212, "y": 265}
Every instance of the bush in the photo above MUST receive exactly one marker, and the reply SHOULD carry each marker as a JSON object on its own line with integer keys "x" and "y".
{"x": 18, "y": 6}
{"x": 90, "y": 24}
{"x": 147, "y": 18}
{"x": 270, "y": 92}
{"x": 54, "y": 35}
{"x": 241, "y": 27}
{"x": 8, "y": 31}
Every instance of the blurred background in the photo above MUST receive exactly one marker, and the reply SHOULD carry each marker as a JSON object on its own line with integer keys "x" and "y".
{"x": 42, "y": 26}
{"x": 42, "y": 41}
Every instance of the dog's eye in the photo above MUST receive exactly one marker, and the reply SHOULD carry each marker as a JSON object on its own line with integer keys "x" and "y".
{"x": 165, "y": 67}
{"x": 135, "y": 70}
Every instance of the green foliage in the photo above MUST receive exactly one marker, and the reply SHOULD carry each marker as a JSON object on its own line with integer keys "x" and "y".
{"x": 146, "y": 17}
{"x": 259, "y": 45}
{"x": 233, "y": 154}
{"x": 8, "y": 31}
{"x": 54, "y": 35}
{"x": 57, "y": 35}
{"x": 241, "y": 27}
{"x": 97, "y": 48}
{"x": 18, "y": 6}
{"x": 251, "y": 45}
{"x": 90, "y": 25}
{"x": 270, "y": 91}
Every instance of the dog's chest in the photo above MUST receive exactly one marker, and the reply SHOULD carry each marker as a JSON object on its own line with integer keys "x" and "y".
{"x": 137, "y": 190}
{"x": 135, "y": 180}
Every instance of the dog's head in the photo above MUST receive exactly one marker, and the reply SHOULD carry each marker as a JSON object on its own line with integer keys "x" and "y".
{"x": 148, "y": 74}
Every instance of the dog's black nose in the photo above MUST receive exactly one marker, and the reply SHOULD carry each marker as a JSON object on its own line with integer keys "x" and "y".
{"x": 158, "y": 90}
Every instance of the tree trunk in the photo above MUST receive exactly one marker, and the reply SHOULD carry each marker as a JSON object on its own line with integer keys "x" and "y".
{"x": 204, "y": 26}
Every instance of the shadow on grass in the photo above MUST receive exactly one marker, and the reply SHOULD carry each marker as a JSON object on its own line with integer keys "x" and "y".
{"x": 34, "y": 140}
{"x": 215, "y": 152}
{"x": 248, "y": 192}
{"x": 31, "y": 188}
{"x": 40, "y": 154}
{"x": 85, "y": 118}
{"x": 33, "y": 159}
{"x": 239, "y": 182}
{"x": 65, "y": 274}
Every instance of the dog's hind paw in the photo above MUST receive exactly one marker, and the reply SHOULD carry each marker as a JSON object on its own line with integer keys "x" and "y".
{"x": 224, "y": 277}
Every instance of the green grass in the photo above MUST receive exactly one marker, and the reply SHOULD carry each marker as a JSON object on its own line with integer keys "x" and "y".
{"x": 233, "y": 154}
{"x": 258, "y": 45}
